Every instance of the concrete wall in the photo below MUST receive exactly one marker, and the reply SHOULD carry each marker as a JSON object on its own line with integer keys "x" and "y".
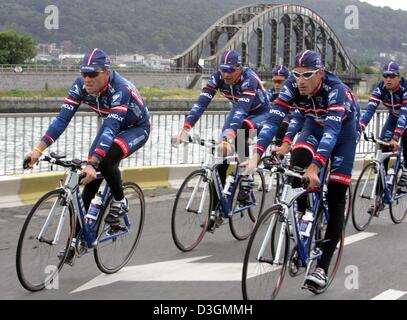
{"x": 39, "y": 81}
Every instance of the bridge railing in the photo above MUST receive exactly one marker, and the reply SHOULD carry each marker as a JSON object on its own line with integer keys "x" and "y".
{"x": 19, "y": 133}
{"x": 45, "y": 68}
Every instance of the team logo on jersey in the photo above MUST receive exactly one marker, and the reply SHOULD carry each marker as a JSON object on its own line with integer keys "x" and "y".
{"x": 116, "y": 99}
{"x": 333, "y": 97}
{"x": 75, "y": 90}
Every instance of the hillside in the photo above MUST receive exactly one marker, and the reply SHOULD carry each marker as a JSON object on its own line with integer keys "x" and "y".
{"x": 169, "y": 27}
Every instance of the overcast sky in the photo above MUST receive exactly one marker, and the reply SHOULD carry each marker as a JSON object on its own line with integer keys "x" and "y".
{"x": 395, "y": 4}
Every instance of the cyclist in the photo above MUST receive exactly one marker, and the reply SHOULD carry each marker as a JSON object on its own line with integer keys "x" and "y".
{"x": 279, "y": 75}
{"x": 125, "y": 129}
{"x": 392, "y": 91}
{"x": 329, "y": 129}
{"x": 250, "y": 104}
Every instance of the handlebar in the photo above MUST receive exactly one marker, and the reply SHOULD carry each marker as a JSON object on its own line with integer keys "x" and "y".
{"x": 304, "y": 180}
{"x": 54, "y": 158}
{"x": 377, "y": 141}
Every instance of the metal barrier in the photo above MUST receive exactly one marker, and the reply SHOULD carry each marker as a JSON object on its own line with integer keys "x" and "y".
{"x": 39, "y": 68}
{"x": 19, "y": 133}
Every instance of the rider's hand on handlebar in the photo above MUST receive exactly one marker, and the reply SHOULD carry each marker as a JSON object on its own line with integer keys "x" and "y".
{"x": 31, "y": 158}
{"x": 90, "y": 174}
{"x": 312, "y": 174}
{"x": 283, "y": 149}
{"x": 181, "y": 137}
{"x": 394, "y": 145}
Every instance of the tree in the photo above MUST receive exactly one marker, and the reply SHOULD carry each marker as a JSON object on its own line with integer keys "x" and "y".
{"x": 16, "y": 48}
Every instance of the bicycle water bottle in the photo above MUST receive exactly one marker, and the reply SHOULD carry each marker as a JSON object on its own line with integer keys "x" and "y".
{"x": 306, "y": 223}
{"x": 94, "y": 208}
{"x": 390, "y": 176}
{"x": 228, "y": 185}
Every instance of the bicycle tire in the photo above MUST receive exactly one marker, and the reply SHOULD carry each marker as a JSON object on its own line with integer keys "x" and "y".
{"x": 361, "y": 226}
{"x": 241, "y": 224}
{"x": 106, "y": 259}
{"x": 49, "y": 269}
{"x": 258, "y": 276}
{"x": 199, "y": 222}
{"x": 398, "y": 207}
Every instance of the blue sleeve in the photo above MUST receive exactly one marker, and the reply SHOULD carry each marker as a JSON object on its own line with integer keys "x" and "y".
{"x": 374, "y": 102}
{"x": 401, "y": 122}
{"x": 295, "y": 125}
{"x": 278, "y": 112}
{"x": 112, "y": 124}
{"x": 242, "y": 107}
{"x": 332, "y": 126}
{"x": 68, "y": 109}
{"x": 206, "y": 96}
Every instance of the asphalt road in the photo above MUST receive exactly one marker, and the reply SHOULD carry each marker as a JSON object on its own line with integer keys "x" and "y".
{"x": 373, "y": 266}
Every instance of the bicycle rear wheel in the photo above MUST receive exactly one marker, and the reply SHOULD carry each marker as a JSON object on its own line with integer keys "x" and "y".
{"x": 245, "y": 213}
{"x": 263, "y": 271}
{"x": 191, "y": 210}
{"x": 37, "y": 258}
{"x": 317, "y": 244}
{"x": 398, "y": 207}
{"x": 116, "y": 245}
{"x": 363, "y": 205}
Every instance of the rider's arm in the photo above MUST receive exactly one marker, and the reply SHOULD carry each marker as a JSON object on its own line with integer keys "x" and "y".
{"x": 295, "y": 125}
{"x": 206, "y": 96}
{"x": 374, "y": 102}
{"x": 68, "y": 109}
{"x": 279, "y": 110}
{"x": 332, "y": 126}
{"x": 402, "y": 120}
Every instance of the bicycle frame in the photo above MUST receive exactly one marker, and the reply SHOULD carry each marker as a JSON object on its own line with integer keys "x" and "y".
{"x": 288, "y": 197}
{"x": 378, "y": 160}
{"x": 72, "y": 194}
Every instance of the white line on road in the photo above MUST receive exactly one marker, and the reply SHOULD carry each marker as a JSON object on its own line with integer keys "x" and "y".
{"x": 390, "y": 294}
{"x": 358, "y": 237}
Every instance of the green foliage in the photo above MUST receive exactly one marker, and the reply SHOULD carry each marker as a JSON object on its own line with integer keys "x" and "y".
{"x": 16, "y": 48}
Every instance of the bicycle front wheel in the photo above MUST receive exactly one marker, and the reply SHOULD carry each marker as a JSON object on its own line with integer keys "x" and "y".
{"x": 365, "y": 202}
{"x": 398, "y": 207}
{"x": 266, "y": 258}
{"x": 42, "y": 246}
{"x": 245, "y": 213}
{"x": 190, "y": 212}
{"x": 116, "y": 245}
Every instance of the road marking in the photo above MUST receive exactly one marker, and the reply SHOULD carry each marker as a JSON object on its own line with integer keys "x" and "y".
{"x": 358, "y": 237}
{"x": 390, "y": 294}
{"x": 185, "y": 270}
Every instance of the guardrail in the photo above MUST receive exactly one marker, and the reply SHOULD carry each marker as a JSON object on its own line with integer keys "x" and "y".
{"x": 42, "y": 68}
{"x": 20, "y": 133}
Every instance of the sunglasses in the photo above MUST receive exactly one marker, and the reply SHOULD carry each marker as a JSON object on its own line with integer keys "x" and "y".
{"x": 278, "y": 81}
{"x": 306, "y": 75}
{"x": 91, "y": 75}
{"x": 390, "y": 75}
{"x": 229, "y": 69}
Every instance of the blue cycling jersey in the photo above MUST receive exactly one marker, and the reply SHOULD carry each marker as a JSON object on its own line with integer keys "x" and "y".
{"x": 331, "y": 107}
{"x": 119, "y": 103}
{"x": 395, "y": 101}
{"x": 248, "y": 96}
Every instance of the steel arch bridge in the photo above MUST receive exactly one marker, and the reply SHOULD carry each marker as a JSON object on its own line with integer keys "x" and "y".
{"x": 268, "y": 35}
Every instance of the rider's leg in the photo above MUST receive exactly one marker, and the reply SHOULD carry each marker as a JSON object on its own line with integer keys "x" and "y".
{"x": 403, "y": 178}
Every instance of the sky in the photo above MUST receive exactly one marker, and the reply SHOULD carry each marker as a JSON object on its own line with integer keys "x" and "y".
{"x": 395, "y": 4}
